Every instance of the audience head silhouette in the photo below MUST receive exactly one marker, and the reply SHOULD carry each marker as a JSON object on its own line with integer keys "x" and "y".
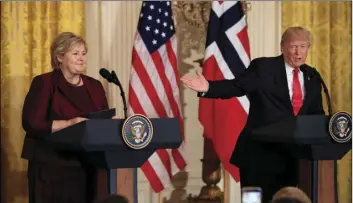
{"x": 290, "y": 195}
{"x": 287, "y": 200}
{"x": 114, "y": 199}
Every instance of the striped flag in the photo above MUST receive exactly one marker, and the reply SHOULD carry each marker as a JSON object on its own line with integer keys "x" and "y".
{"x": 227, "y": 55}
{"x": 154, "y": 85}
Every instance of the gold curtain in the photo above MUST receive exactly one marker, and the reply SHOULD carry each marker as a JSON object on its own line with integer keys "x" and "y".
{"x": 27, "y": 29}
{"x": 331, "y": 25}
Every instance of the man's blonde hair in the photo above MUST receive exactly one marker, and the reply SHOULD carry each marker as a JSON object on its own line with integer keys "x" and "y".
{"x": 293, "y": 193}
{"x": 62, "y": 44}
{"x": 295, "y": 33}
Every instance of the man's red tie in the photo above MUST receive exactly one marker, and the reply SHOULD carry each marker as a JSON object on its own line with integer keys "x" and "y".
{"x": 297, "y": 97}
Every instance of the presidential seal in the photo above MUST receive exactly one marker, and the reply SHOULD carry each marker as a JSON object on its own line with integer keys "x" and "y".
{"x": 340, "y": 127}
{"x": 137, "y": 131}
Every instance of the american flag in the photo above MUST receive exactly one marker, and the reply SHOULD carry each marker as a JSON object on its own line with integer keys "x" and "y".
{"x": 154, "y": 85}
{"x": 227, "y": 55}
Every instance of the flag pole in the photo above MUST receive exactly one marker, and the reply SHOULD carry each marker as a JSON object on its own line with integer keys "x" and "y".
{"x": 246, "y": 6}
{"x": 225, "y": 185}
{"x": 160, "y": 198}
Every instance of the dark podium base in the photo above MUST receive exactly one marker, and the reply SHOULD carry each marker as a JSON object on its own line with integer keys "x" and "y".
{"x": 107, "y": 159}
{"x": 306, "y": 138}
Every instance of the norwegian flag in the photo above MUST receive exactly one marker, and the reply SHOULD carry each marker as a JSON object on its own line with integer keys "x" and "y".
{"x": 154, "y": 85}
{"x": 227, "y": 55}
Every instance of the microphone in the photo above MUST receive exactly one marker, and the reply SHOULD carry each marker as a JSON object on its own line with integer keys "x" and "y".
{"x": 311, "y": 72}
{"x": 113, "y": 78}
{"x": 307, "y": 71}
{"x": 105, "y": 74}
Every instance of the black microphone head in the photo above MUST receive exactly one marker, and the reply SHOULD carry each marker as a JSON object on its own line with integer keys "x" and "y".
{"x": 114, "y": 74}
{"x": 105, "y": 74}
{"x": 309, "y": 71}
{"x": 115, "y": 77}
{"x": 303, "y": 68}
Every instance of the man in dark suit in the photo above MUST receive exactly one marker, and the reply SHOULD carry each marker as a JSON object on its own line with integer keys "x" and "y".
{"x": 57, "y": 100}
{"x": 277, "y": 87}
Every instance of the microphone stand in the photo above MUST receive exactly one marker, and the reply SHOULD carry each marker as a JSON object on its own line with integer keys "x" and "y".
{"x": 116, "y": 81}
{"x": 304, "y": 68}
{"x": 315, "y": 164}
{"x": 328, "y": 99}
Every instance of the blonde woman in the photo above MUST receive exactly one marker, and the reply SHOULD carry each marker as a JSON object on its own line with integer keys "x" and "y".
{"x": 57, "y": 100}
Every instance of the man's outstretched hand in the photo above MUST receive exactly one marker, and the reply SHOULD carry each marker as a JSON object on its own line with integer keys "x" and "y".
{"x": 198, "y": 83}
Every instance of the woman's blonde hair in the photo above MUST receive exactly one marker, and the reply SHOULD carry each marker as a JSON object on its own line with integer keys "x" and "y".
{"x": 292, "y": 192}
{"x": 62, "y": 44}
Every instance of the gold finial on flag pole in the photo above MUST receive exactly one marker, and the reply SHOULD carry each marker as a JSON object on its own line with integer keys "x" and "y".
{"x": 246, "y": 6}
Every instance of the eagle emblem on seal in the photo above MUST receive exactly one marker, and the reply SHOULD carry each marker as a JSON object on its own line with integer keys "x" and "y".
{"x": 137, "y": 131}
{"x": 340, "y": 127}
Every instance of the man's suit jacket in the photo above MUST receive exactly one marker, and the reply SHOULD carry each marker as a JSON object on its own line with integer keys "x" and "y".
{"x": 49, "y": 99}
{"x": 265, "y": 84}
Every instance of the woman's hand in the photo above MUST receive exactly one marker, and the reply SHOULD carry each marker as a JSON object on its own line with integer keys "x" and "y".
{"x": 76, "y": 120}
{"x": 115, "y": 117}
{"x": 61, "y": 124}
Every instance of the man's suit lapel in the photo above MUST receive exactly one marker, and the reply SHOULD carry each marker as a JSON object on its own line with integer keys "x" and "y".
{"x": 282, "y": 83}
